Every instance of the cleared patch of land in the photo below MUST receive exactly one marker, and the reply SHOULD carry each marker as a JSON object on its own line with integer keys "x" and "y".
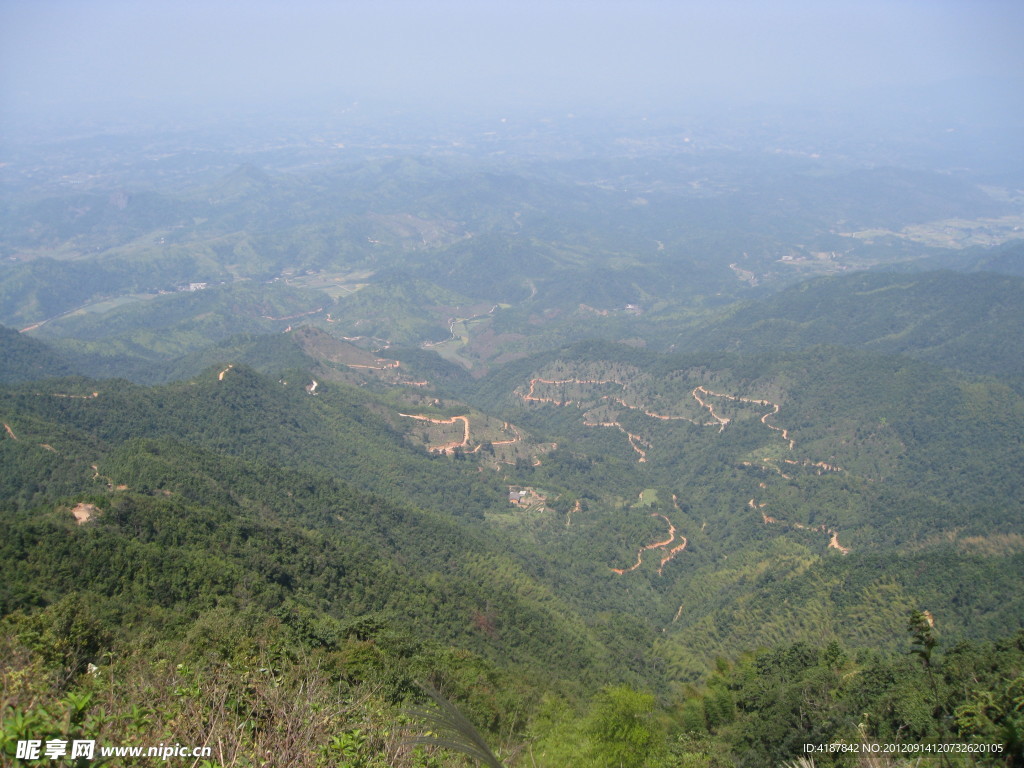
{"x": 334, "y": 284}
{"x": 83, "y": 512}
{"x": 952, "y": 233}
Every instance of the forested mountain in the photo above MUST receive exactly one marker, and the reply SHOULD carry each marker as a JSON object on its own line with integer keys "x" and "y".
{"x": 26, "y": 359}
{"x": 299, "y": 538}
{"x": 782, "y": 499}
{"x": 971, "y": 322}
{"x": 688, "y": 453}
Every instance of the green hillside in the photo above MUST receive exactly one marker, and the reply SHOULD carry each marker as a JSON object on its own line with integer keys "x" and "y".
{"x": 233, "y": 521}
{"x": 972, "y": 322}
{"x": 26, "y": 359}
{"x": 680, "y": 454}
{"x": 832, "y": 461}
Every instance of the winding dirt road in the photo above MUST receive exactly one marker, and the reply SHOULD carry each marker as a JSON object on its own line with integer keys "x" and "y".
{"x": 449, "y": 447}
{"x": 699, "y": 393}
{"x": 518, "y": 436}
{"x": 832, "y": 533}
{"x": 568, "y": 515}
{"x": 110, "y": 481}
{"x": 676, "y": 549}
{"x": 530, "y": 397}
{"x": 704, "y": 397}
{"x": 655, "y": 545}
{"x": 833, "y": 543}
{"x": 453, "y": 321}
{"x": 445, "y": 447}
{"x": 634, "y": 440}
{"x": 723, "y": 421}
{"x": 671, "y": 554}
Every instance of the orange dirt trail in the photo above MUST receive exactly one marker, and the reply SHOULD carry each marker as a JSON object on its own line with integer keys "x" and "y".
{"x": 833, "y": 542}
{"x": 723, "y": 421}
{"x": 446, "y": 447}
{"x": 699, "y": 394}
{"x": 676, "y": 549}
{"x": 516, "y": 439}
{"x": 655, "y": 545}
{"x": 671, "y": 554}
{"x": 634, "y": 440}
{"x": 529, "y": 396}
{"x": 568, "y": 516}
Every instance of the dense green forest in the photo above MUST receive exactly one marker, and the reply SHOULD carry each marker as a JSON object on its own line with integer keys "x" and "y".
{"x": 677, "y": 457}
{"x": 236, "y": 530}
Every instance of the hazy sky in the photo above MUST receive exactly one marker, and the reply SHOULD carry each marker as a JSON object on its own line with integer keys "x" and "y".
{"x": 61, "y": 53}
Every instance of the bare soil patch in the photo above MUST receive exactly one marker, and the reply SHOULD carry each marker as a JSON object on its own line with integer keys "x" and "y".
{"x": 84, "y": 512}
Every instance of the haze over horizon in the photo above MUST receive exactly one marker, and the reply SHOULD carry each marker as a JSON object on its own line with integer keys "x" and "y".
{"x": 115, "y": 60}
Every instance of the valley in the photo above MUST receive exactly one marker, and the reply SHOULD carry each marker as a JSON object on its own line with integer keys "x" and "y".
{"x": 693, "y": 434}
